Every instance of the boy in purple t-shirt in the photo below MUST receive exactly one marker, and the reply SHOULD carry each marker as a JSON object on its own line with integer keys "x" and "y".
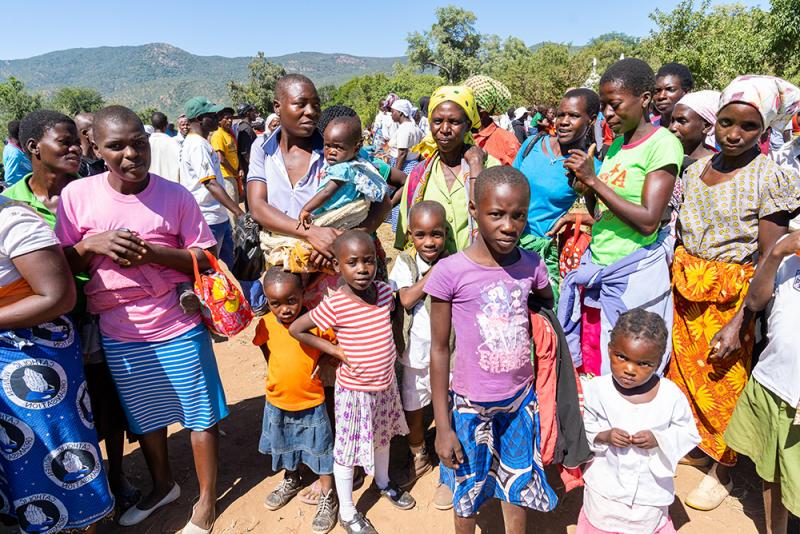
{"x": 485, "y": 290}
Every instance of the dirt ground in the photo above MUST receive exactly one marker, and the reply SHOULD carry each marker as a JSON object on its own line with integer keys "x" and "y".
{"x": 245, "y": 479}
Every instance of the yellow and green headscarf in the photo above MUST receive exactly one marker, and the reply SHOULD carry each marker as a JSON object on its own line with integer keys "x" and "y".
{"x": 490, "y": 95}
{"x": 461, "y": 95}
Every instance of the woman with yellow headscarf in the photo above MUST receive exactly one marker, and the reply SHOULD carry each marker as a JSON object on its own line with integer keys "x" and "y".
{"x": 451, "y": 162}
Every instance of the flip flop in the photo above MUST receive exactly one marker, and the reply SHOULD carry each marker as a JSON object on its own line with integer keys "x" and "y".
{"x": 311, "y": 494}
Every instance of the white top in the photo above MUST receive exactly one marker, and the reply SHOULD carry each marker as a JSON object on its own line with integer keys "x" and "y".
{"x": 406, "y": 135}
{"x": 384, "y": 123}
{"x": 418, "y": 352}
{"x": 424, "y": 125}
{"x": 165, "y": 156}
{"x": 199, "y": 164}
{"x": 22, "y": 231}
{"x": 505, "y": 123}
{"x": 633, "y": 476}
{"x": 778, "y": 367}
{"x": 788, "y": 155}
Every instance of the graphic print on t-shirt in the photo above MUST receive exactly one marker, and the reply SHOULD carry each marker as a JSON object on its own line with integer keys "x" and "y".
{"x": 505, "y": 342}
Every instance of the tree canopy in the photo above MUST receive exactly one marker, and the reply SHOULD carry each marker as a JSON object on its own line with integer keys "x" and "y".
{"x": 259, "y": 90}
{"x": 74, "y": 100}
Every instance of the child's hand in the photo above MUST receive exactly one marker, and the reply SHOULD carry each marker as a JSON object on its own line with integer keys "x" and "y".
{"x": 339, "y": 354}
{"x": 615, "y": 437}
{"x": 448, "y": 447}
{"x": 644, "y": 439}
{"x": 304, "y": 219}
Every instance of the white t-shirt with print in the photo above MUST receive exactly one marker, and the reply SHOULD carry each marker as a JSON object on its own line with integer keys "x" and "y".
{"x": 778, "y": 367}
{"x": 22, "y": 231}
{"x": 418, "y": 352}
{"x": 407, "y": 135}
{"x": 199, "y": 164}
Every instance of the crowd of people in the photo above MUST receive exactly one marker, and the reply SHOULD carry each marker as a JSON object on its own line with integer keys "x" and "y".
{"x": 595, "y": 291}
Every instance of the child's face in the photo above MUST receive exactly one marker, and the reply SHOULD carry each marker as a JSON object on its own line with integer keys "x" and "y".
{"x": 502, "y": 213}
{"x": 633, "y": 360}
{"x": 356, "y": 261}
{"x": 339, "y": 145}
{"x": 125, "y": 149}
{"x": 285, "y": 300}
{"x": 622, "y": 109}
{"x": 428, "y": 232}
{"x": 299, "y": 109}
{"x": 668, "y": 92}
{"x": 59, "y": 149}
{"x": 738, "y": 128}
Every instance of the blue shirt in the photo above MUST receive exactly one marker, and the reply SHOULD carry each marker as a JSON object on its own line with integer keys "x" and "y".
{"x": 16, "y": 164}
{"x": 551, "y": 194}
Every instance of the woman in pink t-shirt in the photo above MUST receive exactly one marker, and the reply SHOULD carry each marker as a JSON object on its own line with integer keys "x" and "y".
{"x": 133, "y": 231}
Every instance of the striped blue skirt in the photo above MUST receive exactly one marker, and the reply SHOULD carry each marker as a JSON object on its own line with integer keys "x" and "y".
{"x": 166, "y": 382}
{"x": 51, "y": 471}
{"x": 394, "y": 215}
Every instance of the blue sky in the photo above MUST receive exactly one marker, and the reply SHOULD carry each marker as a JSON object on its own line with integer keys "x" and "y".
{"x": 243, "y": 27}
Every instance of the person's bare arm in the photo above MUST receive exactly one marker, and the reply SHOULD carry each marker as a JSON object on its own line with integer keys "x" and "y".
{"x": 299, "y": 330}
{"x": 397, "y": 178}
{"x": 317, "y": 201}
{"x": 411, "y": 295}
{"x": 219, "y": 193}
{"x": 402, "y": 154}
{"x": 763, "y": 284}
{"x": 179, "y": 259}
{"x": 48, "y": 274}
{"x": 448, "y": 447}
{"x": 273, "y": 220}
{"x": 376, "y": 215}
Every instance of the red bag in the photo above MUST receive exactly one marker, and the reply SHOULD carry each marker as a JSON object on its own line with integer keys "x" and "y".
{"x": 225, "y": 310}
{"x": 573, "y": 248}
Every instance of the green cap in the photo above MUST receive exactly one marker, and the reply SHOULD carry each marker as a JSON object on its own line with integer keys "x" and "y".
{"x": 200, "y": 106}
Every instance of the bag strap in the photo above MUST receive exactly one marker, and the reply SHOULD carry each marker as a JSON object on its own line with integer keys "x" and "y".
{"x": 532, "y": 144}
{"x": 211, "y": 259}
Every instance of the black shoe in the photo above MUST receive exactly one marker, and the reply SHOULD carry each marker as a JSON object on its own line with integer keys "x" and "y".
{"x": 399, "y": 498}
{"x": 358, "y": 525}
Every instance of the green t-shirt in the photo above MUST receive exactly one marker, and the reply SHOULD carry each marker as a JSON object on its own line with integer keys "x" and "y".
{"x": 624, "y": 170}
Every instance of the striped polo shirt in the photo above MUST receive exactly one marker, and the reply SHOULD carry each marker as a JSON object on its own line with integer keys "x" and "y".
{"x": 365, "y": 333}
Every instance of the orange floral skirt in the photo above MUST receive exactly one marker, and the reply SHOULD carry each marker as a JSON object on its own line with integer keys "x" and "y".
{"x": 707, "y": 294}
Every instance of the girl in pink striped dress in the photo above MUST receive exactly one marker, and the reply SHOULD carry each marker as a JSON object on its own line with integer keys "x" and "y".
{"x": 368, "y": 409}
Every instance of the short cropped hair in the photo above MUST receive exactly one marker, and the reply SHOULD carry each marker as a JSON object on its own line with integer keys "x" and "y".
{"x": 633, "y": 74}
{"x": 36, "y": 123}
{"x": 493, "y": 177}
{"x": 679, "y": 70}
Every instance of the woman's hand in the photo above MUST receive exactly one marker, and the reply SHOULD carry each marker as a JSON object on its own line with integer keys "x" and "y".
{"x": 322, "y": 238}
{"x": 727, "y": 340}
{"x": 122, "y": 246}
{"x": 581, "y": 164}
{"x": 475, "y": 157}
{"x": 567, "y": 218}
{"x": 448, "y": 447}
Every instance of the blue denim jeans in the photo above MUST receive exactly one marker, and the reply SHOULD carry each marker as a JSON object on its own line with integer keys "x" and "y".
{"x": 224, "y": 236}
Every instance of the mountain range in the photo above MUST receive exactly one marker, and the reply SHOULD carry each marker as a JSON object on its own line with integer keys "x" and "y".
{"x": 164, "y": 76}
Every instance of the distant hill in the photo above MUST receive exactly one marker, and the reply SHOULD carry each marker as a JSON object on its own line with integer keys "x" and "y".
{"x": 165, "y": 76}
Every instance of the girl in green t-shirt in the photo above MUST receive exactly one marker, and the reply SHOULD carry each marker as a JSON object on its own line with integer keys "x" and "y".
{"x": 628, "y": 196}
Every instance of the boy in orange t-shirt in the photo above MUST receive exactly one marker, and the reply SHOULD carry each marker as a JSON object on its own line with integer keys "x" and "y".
{"x": 296, "y": 429}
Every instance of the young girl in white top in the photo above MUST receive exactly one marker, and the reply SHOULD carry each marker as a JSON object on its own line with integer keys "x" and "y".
{"x": 638, "y": 425}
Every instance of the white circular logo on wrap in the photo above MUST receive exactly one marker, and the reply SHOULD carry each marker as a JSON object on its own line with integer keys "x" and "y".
{"x": 41, "y": 513}
{"x": 16, "y": 438}
{"x": 58, "y": 333}
{"x": 35, "y": 384}
{"x": 84, "y": 406}
{"x": 72, "y": 465}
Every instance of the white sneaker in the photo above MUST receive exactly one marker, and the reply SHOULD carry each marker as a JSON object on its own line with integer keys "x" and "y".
{"x": 710, "y": 493}
{"x": 135, "y": 515}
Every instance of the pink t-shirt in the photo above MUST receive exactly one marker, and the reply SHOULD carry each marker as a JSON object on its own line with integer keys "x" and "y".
{"x": 134, "y": 303}
{"x": 490, "y": 317}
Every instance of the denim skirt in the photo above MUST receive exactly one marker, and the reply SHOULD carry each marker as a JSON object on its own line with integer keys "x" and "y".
{"x": 294, "y": 438}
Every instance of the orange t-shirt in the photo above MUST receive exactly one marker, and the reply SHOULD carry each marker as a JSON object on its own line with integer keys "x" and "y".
{"x": 497, "y": 142}
{"x": 289, "y": 383}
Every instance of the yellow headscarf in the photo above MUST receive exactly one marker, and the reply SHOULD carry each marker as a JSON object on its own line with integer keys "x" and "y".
{"x": 461, "y": 95}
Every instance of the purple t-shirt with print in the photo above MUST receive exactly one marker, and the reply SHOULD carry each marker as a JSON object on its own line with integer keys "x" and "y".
{"x": 490, "y": 317}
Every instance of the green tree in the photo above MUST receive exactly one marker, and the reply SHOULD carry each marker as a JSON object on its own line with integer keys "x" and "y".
{"x": 784, "y": 38}
{"x": 259, "y": 90}
{"x": 15, "y": 102}
{"x": 74, "y": 100}
{"x": 146, "y": 113}
{"x": 717, "y": 44}
{"x": 452, "y": 45}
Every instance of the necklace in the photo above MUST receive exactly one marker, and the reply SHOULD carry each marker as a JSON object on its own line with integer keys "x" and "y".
{"x": 638, "y": 390}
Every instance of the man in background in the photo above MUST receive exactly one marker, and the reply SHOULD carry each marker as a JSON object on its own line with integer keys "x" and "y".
{"x": 16, "y": 163}
{"x": 183, "y": 129}
{"x": 245, "y": 136}
{"x": 223, "y": 141}
{"x": 91, "y": 163}
{"x": 165, "y": 152}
